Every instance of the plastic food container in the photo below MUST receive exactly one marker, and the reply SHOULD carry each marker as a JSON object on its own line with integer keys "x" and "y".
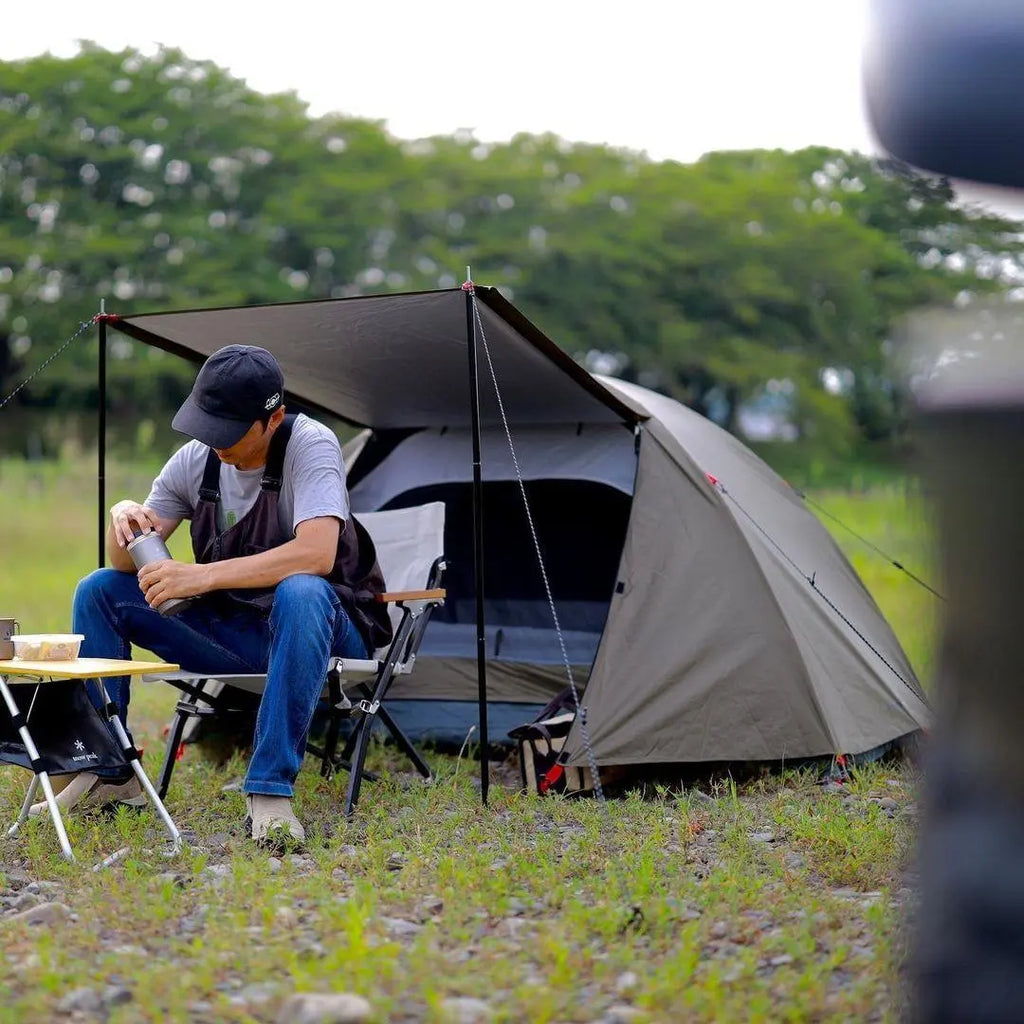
{"x": 46, "y": 646}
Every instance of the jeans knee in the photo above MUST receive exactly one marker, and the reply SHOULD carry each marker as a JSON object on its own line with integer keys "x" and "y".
{"x": 303, "y": 594}
{"x": 95, "y": 587}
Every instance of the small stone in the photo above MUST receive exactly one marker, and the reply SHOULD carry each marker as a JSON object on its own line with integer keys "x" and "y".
{"x": 24, "y": 900}
{"x": 116, "y": 995}
{"x": 888, "y": 804}
{"x": 300, "y": 862}
{"x": 321, "y": 1008}
{"x": 219, "y": 841}
{"x": 793, "y": 860}
{"x": 779, "y": 961}
{"x": 398, "y": 927}
{"x": 348, "y": 850}
{"x": 43, "y": 887}
{"x": 464, "y": 1010}
{"x": 43, "y": 913}
{"x": 81, "y": 1000}
{"x": 626, "y": 982}
{"x": 621, "y": 1013}
{"x": 339, "y": 875}
{"x": 286, "y": 917}
{"x": 719, "y": 930}
{"x": 254, "y": 995}
{"x": 845, "y": 893}
{"x": 274, "y": 863}
{"x": 218, "y": 871}
{"x": 514, "y": 927}
{"x": 762, "y": 837}
{"x": 396, "y": 862}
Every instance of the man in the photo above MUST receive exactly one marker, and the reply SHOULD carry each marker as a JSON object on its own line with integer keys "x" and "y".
{"x": 285, "y": 578}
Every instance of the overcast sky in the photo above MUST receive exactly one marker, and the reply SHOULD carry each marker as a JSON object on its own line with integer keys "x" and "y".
{"x": 675, "y": 78}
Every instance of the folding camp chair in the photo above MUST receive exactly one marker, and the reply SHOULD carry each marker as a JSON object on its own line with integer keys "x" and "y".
{"x": 409, "y": 544}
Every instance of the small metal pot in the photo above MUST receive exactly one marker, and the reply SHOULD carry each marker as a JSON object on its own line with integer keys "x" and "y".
{"x": 8, "y": 627}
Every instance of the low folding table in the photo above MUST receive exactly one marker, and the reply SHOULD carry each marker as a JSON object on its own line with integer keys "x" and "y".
{"x": 54, "y": 702}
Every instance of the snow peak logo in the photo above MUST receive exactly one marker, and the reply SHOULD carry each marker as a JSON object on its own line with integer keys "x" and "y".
{"x": 82, "y": 754}
{"x": 272, "y": 401}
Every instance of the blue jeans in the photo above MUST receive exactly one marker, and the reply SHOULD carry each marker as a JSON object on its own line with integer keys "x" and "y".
{"x": 307, "y": 625}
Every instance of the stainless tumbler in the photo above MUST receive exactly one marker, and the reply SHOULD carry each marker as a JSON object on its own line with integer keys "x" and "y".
{"x": 150, "y": 547}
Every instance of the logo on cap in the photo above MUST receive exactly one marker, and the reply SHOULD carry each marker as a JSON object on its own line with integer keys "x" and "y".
{"x": 273, "y": 400}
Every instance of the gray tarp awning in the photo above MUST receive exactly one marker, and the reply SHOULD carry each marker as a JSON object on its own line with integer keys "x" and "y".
{"x": 388, "y": 361}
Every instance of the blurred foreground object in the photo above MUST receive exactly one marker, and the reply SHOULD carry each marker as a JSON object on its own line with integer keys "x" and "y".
{"x": 944, "y": 86}
{"x": 966, "y": 372}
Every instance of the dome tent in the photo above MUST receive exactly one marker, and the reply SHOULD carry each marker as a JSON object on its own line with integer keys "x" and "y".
{"x": 711, "y": 615}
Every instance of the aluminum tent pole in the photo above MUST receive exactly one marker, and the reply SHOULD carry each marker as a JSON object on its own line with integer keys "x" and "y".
{"x": 478, "y": 537}
{"x": 101, "y": 443}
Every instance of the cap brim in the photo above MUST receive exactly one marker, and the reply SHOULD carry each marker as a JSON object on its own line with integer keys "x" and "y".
{"x": 215, "y": 431}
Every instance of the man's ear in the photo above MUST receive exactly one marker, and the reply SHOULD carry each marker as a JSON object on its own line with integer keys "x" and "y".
{"x": 276, "y": 418}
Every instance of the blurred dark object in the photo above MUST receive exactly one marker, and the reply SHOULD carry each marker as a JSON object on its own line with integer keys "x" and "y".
{"x": 967, "y": 376}
{"x": 944, "y": 85}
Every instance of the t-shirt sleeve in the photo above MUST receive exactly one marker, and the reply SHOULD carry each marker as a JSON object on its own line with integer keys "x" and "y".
{"x": 170, "y": 496}
{"x": 317, "y": 478}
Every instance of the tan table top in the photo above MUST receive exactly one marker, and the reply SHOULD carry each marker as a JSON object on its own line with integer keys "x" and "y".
{"x": 80, "y": 668}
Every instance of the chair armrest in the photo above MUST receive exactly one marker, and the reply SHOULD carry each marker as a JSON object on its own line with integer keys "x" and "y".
{"x": 411, "y": 595}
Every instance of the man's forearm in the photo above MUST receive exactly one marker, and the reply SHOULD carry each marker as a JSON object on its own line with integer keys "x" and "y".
{"x": 268, "y": 568}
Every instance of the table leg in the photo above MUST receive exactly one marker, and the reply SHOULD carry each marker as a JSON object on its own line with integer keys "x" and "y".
{"x": 126, "y": 746}
{"x": 42, "y": 778}
{"x": 30, "y": 798}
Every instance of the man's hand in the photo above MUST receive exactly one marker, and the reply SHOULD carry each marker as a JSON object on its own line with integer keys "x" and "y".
{"x": 160, "y": 581}
{"x": 126, "y": 517}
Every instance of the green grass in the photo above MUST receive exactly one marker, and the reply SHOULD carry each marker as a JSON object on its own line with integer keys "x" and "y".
{"x": 767, "y": 901}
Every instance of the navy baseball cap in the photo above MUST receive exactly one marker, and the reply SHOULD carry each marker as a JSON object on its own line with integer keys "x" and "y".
{"x": 237, "y": 385}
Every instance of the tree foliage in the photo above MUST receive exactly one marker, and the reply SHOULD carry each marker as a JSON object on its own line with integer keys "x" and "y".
{"x": 160, "y": 182}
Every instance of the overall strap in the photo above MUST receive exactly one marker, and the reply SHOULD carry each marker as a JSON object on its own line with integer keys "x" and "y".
{"x": 274, "y": 471}
{"x": 209, "y": 489}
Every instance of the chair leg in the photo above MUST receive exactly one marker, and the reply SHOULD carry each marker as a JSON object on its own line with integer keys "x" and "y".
{"x": 355, "y": 774}
{"x": 177, "y": 730}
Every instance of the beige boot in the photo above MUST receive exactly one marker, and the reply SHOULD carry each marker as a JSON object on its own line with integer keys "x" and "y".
{"x": 272, "y": 821}
{"x": 87, "y": 791}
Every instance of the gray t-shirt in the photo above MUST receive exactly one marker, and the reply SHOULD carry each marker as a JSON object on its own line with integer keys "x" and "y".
{"x": 313, "y": 484}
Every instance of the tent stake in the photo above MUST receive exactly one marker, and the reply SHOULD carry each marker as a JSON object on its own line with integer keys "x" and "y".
{"x": 101, "y": 442}
{"x": 478, "y": 539}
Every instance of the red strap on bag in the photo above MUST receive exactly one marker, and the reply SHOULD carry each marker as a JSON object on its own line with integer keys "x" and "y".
{"x": 550, "y": 777}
